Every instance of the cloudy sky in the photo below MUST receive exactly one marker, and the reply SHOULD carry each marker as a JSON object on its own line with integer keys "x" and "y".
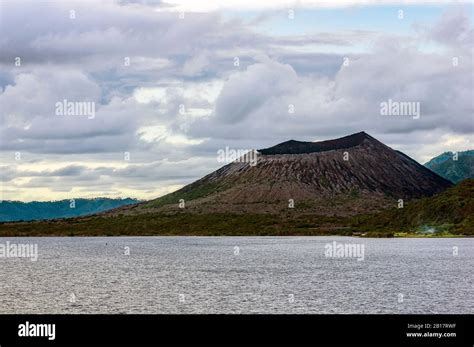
{"x": 174, "y": 81}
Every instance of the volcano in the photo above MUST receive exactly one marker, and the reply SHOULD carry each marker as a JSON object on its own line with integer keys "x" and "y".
{"x": 348, "y": 175}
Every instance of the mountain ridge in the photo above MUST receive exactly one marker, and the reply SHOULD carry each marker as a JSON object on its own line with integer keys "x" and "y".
{"x": 46, "y": 210}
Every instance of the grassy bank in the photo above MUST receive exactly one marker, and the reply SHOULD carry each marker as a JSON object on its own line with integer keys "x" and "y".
{"x": 449, "y": 214}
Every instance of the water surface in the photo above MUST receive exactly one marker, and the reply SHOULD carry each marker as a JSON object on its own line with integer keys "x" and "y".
{"x": 238, "y": 275}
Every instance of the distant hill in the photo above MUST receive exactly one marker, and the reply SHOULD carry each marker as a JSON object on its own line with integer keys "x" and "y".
{"x": 453, "y": 170}
{"x": 39, "y": 210}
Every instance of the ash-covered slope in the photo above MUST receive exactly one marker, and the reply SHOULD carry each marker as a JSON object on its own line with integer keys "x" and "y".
{"x": 352, "y": 174}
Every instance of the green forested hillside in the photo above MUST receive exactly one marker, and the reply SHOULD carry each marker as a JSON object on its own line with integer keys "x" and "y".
{"x": 449, "y": 212}
{"x": 453, "y": 170}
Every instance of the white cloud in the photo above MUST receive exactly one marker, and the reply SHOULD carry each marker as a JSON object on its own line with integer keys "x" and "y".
{"x": 246, "y": 5}
{"x": 195, "y": 66}
{"x": 161, "y": 133}
{"x": 147, "y": 95}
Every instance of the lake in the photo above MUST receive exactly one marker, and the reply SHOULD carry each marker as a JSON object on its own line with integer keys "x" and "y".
{"x": 238, "y": 275}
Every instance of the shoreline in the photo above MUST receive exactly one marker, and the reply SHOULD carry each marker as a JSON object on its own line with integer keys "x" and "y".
{"x": 407, "y": 236}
